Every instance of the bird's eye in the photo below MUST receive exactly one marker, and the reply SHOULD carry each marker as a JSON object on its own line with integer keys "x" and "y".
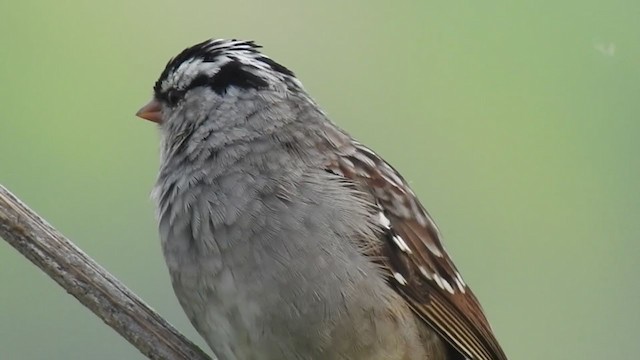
{"x": 173, "y": 97}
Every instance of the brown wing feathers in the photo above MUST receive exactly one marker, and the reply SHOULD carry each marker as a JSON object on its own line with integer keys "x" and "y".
{"x": 419, "y": 267}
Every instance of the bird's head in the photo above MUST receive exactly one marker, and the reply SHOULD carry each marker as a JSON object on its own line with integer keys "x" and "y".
{"x": 209, "y": 74}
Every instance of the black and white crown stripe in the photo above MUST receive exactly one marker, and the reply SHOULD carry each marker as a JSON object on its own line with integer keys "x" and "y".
{"x": 220, "y": 64}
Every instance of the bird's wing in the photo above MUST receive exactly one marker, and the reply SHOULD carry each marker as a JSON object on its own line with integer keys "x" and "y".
{"x": 418, "y": 266}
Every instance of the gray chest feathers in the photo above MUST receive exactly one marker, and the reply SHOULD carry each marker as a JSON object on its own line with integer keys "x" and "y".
{"x": 260, "y": 256}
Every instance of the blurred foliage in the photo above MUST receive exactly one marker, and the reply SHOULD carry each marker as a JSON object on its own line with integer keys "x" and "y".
{"x": 516, "y": 122}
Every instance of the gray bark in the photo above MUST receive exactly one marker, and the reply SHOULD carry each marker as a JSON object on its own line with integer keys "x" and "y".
{"x": 88, "y": 282}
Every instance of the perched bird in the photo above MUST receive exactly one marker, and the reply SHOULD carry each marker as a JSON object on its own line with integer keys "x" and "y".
{"x": 285, "y": 238}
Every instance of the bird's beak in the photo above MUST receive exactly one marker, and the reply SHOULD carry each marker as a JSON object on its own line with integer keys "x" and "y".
{"x": 151, "y": 111}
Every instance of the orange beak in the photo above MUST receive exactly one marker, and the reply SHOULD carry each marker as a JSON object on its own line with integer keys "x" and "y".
{"x": 151, "y": 111}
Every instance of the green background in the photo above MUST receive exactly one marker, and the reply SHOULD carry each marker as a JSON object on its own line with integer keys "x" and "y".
{"x": 516, "y": 123}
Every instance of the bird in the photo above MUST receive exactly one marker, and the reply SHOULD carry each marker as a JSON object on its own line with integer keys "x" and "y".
{"x": 285, "y": 237}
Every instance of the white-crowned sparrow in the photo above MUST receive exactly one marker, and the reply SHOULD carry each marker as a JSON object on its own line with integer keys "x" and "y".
{"x": 287, "y": 239}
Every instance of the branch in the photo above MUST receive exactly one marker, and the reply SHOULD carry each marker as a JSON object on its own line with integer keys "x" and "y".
{"x": 88, "y": 282}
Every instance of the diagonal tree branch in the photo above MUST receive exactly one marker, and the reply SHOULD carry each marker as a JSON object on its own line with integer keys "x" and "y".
{"x": 88, "y": 282}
